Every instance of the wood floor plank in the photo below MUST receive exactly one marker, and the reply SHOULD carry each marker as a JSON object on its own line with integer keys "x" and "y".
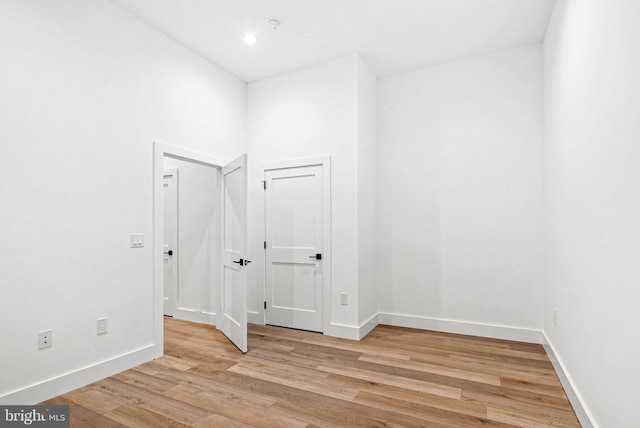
{"x": 154, "y": 402}
{"x": 172, "y": 362}
{"x": 235, "y": 408}
{"x": 425, "y": 413}
{"x": 395, "y": 377}
{"x": 215, "y": 420}
{"x": 83, "y": 417}
{"x": 463, "y": 406}
{"x": 490, "y": 379}
{"x": 533, "y": 386}
{"x": 193, "y": 395}
{"x": 96, "y": 399}
{"x": 546, "y": 374}
{"x": 310, "y": 362}
{"x": 529, "y": 420}
{"x": 387, "y": 379}
{"x": 337, "y": 413}
{"x": 359, "y": 347}
{"x": 517, "y": 399}
{"x": 146, "y": 381}
{"x": 444, "y": 344}
{"x": 502, "y": 361}
{"x": 312, "y": 381}
{"x": 396, "y": 372}
{"x": 134, "y": 416}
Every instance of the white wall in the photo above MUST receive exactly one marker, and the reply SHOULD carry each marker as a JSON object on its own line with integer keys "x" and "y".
{"x": 310, "y": 112}
{"x": 85, "y": 89}
{"x": 367, "y": 195}
{"x": 198, "y": 213}
{"x": 592, "y": 202}
{"x": 460, "y": 179}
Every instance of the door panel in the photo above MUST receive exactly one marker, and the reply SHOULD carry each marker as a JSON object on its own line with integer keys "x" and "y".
{"x": 170, "y": 244}
{"x": 233, "y": 298}
{"x": 293, "y": 209}
{"x": 296, "y": 286}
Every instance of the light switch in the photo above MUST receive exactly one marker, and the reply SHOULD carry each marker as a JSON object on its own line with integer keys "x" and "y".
{"x": 137, "y": 240}
{"x": 344, "y": 299}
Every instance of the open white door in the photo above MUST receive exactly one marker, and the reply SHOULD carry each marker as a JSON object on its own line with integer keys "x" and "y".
{"x": 233, "y": 292}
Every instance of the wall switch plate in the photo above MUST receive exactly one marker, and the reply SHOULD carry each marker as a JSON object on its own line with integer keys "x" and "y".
{"x": 344, "y": 299}
{"x": 555, "y": 317}
{"x": 45, "y": 339}
{"x": 137, "y": 240}
{"x": 103, "y": 326}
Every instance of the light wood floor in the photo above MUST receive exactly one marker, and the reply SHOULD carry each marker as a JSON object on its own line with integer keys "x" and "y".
{"x": 395, "y": 377}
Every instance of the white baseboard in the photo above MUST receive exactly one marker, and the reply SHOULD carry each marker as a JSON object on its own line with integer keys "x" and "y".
{"x": 368, "y": 325}
{"x": 255, "y": 318}
{"x": 582, "y": 412}
{"x": 66, "y": 382}
{"x": 196, "y": 316}
{"x": 351, "y": 331}
{"x": 343, "y": 331}
{"x": 447, "y": 326}
{"x": 463, "y": 327}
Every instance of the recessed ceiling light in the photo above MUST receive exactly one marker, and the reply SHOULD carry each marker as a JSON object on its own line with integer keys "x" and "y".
{"x": 250, "y": 38}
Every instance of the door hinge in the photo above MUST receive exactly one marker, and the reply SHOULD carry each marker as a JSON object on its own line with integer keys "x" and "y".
{"x": 264, "y": 184}
{"x": 265, "y": 245}
{"x": 265, "y": 305}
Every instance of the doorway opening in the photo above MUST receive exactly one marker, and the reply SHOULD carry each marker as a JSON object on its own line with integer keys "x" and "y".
{"x": 199, "y": 241}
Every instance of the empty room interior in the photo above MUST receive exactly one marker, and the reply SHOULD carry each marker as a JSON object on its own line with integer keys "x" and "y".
{"x": 321, "y": 213}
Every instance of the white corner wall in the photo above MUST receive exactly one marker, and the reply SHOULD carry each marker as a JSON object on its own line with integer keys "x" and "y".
{"x": 592, "y": 202}
{"x": 460, "y": 196}
{"x": 198, "y": 240}
{"x": 367, "y": 199}
{"x": 86, "y": 88}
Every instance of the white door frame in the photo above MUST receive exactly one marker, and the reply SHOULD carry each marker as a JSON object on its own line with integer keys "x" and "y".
{"x": 160, "y": 150}
{"x": 325, "y": 163}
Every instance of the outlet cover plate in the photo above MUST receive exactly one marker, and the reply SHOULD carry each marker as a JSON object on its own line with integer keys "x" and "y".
{"x": 45, "y": 339}
{"x": 137, "y": 240}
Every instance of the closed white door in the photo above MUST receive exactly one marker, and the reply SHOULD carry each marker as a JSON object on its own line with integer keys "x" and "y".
{"x": 170, "y": 246}
{"x": 233, "y": 290}
{"x": 294, "y": 237}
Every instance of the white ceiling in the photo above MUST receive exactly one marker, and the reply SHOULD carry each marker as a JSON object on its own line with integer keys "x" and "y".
{"x": 392, "y": 36}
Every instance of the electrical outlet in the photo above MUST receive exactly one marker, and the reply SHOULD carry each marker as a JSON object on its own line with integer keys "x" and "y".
{"x": 137, "y": 240}
{"x": 103, "y": 326}
{"x": 555, "y": 317}
{"x": 344, "y": 299}
{"x": 45, "y": 339}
